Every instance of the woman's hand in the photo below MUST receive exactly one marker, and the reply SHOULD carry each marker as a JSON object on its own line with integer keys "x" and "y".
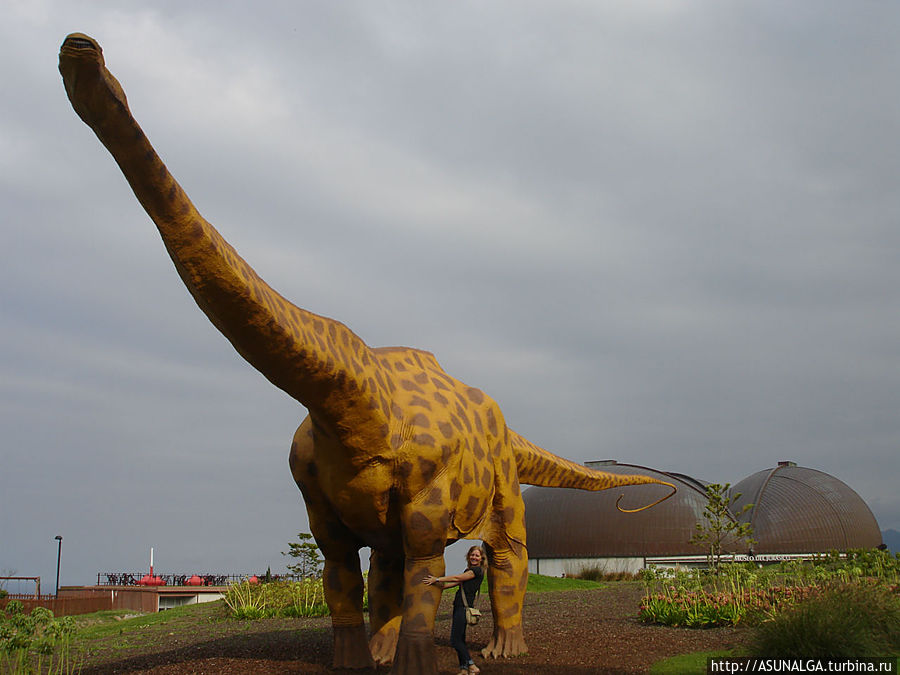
{"x": 431, "y": 581}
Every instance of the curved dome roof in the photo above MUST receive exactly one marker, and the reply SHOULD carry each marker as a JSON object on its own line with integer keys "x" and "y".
{"x": 801, "y": 510}
{"x": 568, "y": 523}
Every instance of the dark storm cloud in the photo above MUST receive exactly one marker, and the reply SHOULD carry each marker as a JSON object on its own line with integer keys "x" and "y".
{"x": 660, "y": 233}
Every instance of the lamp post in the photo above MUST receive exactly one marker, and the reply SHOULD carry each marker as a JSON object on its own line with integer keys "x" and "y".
{"x": 58, "y": 556}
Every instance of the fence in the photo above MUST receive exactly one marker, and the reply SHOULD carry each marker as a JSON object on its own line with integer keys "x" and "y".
{"x": 64, "y": 605}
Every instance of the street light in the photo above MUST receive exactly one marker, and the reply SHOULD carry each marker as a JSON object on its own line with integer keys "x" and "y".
{"x": 58, "y": 556}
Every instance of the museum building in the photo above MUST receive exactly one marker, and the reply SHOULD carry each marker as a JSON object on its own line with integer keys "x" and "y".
{"x": 796, "y": 512}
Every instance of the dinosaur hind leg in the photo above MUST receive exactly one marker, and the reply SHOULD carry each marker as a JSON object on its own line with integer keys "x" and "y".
{"x": 507, "y": 560}
{"x": 507, "y": 579}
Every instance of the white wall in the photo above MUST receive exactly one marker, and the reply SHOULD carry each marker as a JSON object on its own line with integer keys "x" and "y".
{"x": 557, "y": 567}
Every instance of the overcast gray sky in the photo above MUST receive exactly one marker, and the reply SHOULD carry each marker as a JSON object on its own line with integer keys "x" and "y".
{"x": 659, "y": 232}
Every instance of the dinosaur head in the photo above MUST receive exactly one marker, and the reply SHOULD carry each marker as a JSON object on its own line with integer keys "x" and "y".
{"x": 91, "y": 88}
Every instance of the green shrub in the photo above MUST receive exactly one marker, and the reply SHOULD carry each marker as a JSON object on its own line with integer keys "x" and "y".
{"x": 35, "y": 642}
{"x": 598, "y": 573}
{"x": 283, "y": 598}
{"x": 845, "y": 621}
{"x": 594, "y": 573}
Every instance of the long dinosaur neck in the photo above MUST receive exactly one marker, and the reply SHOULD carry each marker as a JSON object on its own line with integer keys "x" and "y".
{"x": 311, "y": 358}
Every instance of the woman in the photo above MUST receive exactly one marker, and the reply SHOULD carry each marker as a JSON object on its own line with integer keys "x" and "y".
{"x": 469, "y": 583}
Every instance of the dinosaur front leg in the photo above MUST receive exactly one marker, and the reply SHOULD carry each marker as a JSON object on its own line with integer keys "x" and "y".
{"x": 342, "y": 578}
{"x": 385, "y": 605}
{"x": 507, "y": 579}
{"x": 343, "y": 583}
{"x": 424, "y": 537}
{"x": 415, "y": 654}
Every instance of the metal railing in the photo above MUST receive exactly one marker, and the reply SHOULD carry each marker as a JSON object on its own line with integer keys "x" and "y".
{"x": 134, "y": 579}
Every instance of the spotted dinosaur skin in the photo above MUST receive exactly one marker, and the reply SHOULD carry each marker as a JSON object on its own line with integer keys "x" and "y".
{"x": 395, "y": 454}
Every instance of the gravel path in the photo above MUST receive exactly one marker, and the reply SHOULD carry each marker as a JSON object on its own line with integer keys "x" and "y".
{"x": 567, "y": 632}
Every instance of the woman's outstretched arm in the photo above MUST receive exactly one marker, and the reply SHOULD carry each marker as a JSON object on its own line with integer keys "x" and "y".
{"x": 449, "y": 581}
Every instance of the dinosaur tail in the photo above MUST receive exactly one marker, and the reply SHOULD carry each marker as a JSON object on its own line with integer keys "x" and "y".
{"x": 537, "y": 466}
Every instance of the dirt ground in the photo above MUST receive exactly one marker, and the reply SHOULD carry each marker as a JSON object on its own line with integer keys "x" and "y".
{"x": 567, "y": 632}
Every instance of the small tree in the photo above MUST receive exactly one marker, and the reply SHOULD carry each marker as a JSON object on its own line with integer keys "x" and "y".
{"x": 306, "y": 553}
{"x": 719, "y": 523}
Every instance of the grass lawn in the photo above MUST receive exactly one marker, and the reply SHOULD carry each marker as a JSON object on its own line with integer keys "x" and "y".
{"x": 538, "y": 583}
{"x": 686, "y": 664}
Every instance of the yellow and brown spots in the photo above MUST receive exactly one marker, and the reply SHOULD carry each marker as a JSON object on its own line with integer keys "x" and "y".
{"x": 446, "y": 429}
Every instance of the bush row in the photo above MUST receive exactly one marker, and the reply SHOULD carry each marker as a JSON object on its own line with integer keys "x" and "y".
{"x": 830, "y": 607}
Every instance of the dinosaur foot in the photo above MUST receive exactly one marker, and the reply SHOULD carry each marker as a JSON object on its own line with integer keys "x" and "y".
{"x": 351, "y": 649}
{"x": 383, "y": 645}
{"x": 415, "y": 655}
{"x": 506, "y": 643}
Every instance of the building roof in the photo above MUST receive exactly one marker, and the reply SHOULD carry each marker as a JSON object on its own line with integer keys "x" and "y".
{"x": 801, "y": 510}
{"x": 795, "y": 510}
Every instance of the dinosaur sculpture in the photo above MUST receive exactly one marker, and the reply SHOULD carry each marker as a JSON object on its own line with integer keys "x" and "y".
{"x": 395, "y": 454}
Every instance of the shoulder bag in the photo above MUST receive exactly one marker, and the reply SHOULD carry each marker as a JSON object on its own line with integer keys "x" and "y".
{"x": 473, "y": 615}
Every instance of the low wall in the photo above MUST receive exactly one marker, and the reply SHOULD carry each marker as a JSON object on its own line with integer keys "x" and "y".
{"x": 87, "y": 599}
{"x": 83, "y": 603}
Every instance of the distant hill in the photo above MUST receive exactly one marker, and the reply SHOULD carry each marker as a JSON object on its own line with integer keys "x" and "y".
{"x": 891, "y": 539}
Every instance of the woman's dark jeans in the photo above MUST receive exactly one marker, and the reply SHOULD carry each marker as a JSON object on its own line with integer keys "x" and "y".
{"x": 458, "y": 635}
